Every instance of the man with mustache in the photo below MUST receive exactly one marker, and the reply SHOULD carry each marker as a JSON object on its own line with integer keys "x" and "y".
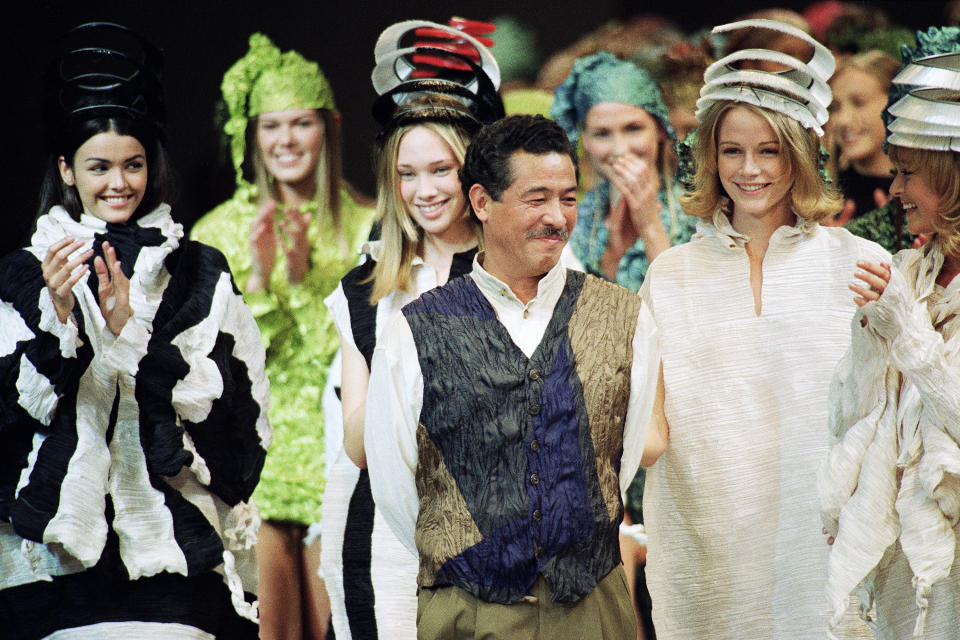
{"x": 507, "y": 411}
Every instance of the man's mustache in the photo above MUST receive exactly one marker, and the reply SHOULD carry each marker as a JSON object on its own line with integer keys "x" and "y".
{"x": 563, "y": 234}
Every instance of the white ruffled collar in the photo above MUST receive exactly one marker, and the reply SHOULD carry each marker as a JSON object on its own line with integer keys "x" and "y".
{"x": 58, "y": 224}
{"x": 923, "y": 267}
{"x": 720, "y": 227}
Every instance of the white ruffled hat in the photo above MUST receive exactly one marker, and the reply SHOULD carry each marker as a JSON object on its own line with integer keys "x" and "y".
{"x": 800, "y": 92}
{"x": 928, "y": 117}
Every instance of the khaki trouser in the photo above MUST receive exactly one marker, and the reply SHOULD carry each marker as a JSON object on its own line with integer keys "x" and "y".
{"x": 606, "y": 613}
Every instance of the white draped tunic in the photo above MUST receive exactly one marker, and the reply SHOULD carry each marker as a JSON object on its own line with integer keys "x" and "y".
{"x": 735, "y": 544}
{"x": 892, "y": 482}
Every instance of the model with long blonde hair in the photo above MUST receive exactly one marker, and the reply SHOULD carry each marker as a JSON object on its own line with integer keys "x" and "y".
{"x": 427, "y": 237}
{"x": 291, "y": 229}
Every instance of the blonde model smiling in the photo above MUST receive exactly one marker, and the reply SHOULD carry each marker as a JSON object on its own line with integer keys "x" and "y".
{"x": 290, "y": 143}
{"x": 856, "y": 116}
{"x": 752, "y": 170}
{"x": 430, "y": 188}
{"x": 920, "y": 202}
{"x": 768, "y": 279}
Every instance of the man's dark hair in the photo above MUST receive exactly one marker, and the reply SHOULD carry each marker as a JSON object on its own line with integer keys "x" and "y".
{"x": 487, "y": 162}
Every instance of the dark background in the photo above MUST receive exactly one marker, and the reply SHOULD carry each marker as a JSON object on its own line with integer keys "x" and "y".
{"x": 202, "y": 39}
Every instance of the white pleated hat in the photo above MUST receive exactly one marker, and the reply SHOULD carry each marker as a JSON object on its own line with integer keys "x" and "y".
{"x": 800, "y": 91}
{"x": 928, "y": 117}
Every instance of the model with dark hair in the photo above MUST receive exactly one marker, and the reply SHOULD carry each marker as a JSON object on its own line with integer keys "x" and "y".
{"x": 133, "y": 406}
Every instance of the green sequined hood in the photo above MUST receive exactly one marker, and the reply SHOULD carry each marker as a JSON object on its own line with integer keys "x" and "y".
{"x": 265, "y": 80}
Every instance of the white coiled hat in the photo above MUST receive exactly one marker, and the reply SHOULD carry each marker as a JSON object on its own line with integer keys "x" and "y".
{"x": 800, "y": 91}
{"x": 928, "y": 116}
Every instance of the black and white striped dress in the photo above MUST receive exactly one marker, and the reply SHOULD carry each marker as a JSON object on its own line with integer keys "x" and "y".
{"x": 370, "y": 576}
{"x": 127, "y": 462}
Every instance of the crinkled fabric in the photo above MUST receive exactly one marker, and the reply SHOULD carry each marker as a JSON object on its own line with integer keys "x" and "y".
{"x": 735, "y": 548}
{"x": 139, "y": 450}
{"x": 370, "y": 576}
{"x": 890, "y": 488}
{"x": 300, "y": 341}
{"x": 518, "y": 474}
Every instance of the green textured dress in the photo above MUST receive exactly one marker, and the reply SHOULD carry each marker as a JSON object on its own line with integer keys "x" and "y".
{"x": 300, "y": 340}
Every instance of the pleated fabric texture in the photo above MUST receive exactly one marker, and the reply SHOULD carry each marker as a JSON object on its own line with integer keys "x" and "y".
{"x": 133, "y": 454}
{"x": 890, "y": 488}
{"x": 519, "y": 457}
{"x": 300, "y": 339}
{"x": 735, "y": 544}
{"x": 370, "y": 576}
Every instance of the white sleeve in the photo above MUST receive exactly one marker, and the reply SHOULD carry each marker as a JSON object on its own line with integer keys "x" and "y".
{"x": 67, "y": 333}
{"x": 394, "y": 400}
{"x": 124, "y": 351}
{"x": 336, "y": 303}
{"x": 332, "y": 411}
{"x": 917, "y": 350}
{"x": 643, "y": 387}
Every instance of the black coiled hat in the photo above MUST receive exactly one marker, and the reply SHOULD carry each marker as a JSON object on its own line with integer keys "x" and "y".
{"x": 104, "y": 70}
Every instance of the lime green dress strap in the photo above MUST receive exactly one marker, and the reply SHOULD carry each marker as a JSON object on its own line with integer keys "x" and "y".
{"x": 300, "y": 341}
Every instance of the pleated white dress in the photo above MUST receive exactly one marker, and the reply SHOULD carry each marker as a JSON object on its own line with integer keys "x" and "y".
{"x": 735, "y": 544}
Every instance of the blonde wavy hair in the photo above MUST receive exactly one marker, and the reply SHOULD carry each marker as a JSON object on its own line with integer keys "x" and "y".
{"x": 400, "y": 235}
{"x": 941, "y": 171}
{"x": 810, "y": 195}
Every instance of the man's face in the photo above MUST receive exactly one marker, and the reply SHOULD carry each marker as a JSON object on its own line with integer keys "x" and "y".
{"x": 527, "y": 229}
